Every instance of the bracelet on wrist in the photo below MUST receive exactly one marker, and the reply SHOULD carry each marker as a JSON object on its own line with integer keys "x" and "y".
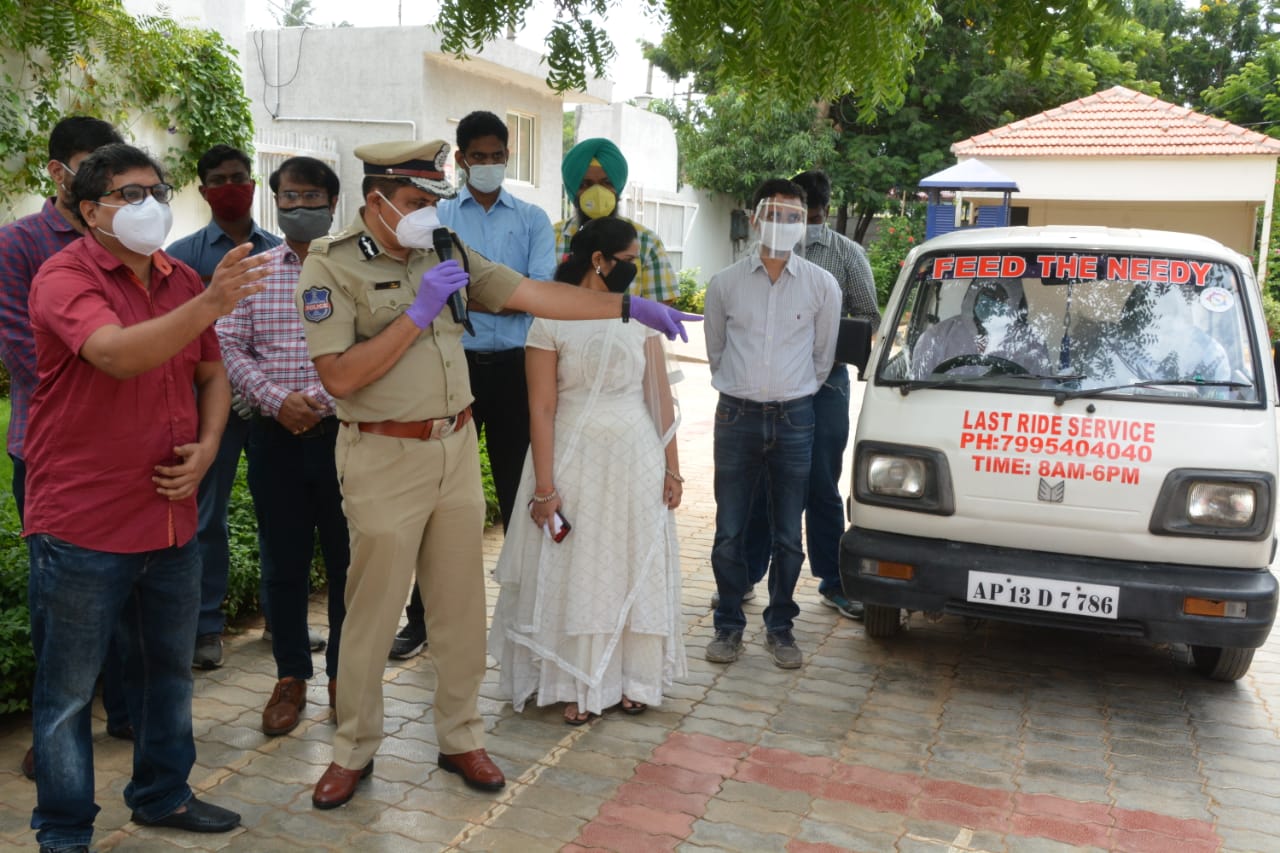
{"x": 673, "y": 475}
{"x": 541, "y": 499}
{"x": 626, "y": 307}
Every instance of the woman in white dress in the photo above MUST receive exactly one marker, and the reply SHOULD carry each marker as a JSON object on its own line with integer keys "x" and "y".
{"x": 593, "y": 620}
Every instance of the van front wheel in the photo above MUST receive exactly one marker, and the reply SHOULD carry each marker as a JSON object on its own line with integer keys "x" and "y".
{"x": 1220, "y": 664}
{"x": 881, "y": 622}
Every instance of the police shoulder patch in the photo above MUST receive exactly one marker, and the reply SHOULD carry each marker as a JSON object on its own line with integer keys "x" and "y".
{"x": 316, "y": 304}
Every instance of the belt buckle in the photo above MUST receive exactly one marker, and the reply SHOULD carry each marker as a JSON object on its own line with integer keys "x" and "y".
{"x": 443, "y": 427}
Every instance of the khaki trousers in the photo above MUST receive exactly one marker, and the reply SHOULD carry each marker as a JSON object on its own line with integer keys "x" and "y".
{"x": 415, "y": 509}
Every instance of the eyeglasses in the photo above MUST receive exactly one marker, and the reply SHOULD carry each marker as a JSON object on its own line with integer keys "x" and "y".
{"x": 137, "y": 193}
{"x": 315, "y": 197}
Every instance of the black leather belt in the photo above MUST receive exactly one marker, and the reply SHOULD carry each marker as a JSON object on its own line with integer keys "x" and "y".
{"x": 502, "y": 356}
{"x": 770, "y": 405}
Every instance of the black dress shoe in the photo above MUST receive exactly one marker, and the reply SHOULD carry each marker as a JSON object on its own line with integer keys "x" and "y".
{"x": 198, "y": 816}
{"x": 74, "y": 848}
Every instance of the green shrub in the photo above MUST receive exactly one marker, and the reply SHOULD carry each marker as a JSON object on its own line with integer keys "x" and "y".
{"x": 1271, "y": 310}
{"x": 896, "y": 236}
{"x": 691, "y": 295}
{"x": 17, "y": 662}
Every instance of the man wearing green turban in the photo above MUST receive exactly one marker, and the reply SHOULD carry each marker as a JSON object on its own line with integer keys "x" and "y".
{"x": 594, "y": 173}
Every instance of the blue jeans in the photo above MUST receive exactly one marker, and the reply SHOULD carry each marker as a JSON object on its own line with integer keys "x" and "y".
{"x": 824, "y": 507}
{"x": 79, "y": 598}
{"x": 294, "y": 481}
{"x": 113, "y": 700}
{"x": 215, "y": 551}
{"x": 766, "y": 446}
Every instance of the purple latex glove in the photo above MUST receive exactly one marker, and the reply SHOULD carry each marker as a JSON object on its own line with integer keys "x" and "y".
{"x": 437, "y": 284}
{"x": 664, "y": 318}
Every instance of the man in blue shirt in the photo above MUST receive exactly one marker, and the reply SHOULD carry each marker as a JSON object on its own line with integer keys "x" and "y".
{"x": 226, "y": 182}
{"x": 517, "y": 234}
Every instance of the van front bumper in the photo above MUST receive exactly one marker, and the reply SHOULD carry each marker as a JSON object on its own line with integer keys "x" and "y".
{"x": 1150, "y": 602}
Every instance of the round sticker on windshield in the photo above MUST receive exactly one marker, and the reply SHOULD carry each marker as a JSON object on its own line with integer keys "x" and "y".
{"x": 1217, "y": 299}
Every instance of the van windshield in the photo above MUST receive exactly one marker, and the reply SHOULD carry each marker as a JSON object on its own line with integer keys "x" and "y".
{"x": 1075, "y": 325}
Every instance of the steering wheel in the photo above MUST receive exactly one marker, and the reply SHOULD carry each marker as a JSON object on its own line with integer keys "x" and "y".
{"x": 996, "y": 363}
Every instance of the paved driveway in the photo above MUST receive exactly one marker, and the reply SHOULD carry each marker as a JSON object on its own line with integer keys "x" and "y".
{"x": 946, "y": 738}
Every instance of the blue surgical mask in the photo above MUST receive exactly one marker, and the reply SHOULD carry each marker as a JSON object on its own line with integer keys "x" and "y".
{"x": 486, "y": 178}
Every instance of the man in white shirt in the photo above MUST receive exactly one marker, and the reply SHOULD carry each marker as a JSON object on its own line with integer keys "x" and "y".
{"x": 771, "y": 323}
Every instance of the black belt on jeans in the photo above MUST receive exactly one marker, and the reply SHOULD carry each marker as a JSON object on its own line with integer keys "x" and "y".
{"x": 326, "y": 426}
{"x": 502, "y": 356}
{"x": 758, "y": 406}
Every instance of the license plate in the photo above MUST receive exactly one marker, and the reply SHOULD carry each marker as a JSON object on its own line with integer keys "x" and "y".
{"x": 1027, "y": 593}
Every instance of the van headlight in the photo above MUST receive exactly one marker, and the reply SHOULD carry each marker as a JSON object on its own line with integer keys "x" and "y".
{"x": 1222, "y": 504}
{"x": 902, "y": 476}
{"x": 1214, "y": 504}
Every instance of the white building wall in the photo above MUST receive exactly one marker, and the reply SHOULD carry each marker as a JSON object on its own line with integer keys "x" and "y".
{"x": 392, "y": 83}
{"x": 1234, "y": 178}
{"x": 646, "y": 140}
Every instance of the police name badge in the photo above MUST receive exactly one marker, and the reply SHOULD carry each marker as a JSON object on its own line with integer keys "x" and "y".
{"x": 316, "y": 304}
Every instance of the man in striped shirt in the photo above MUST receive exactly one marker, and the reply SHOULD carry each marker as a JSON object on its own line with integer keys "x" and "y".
{"x": 771, "y": 322}
{"x": 292, "y": 473}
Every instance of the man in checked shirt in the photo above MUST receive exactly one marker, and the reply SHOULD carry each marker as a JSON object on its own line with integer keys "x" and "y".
{"x": 291, "y": 441}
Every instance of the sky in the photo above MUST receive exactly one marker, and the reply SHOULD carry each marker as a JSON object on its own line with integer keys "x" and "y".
{"x": 625, "y": 24}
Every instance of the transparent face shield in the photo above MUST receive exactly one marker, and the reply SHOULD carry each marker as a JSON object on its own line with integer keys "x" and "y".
{"x": 780, "y": 225}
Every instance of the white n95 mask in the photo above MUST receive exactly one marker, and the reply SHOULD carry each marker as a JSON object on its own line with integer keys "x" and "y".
{"x": 141, "y": 228}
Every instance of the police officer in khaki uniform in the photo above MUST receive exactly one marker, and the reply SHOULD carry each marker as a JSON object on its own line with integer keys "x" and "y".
{"x": 372, "y": 299}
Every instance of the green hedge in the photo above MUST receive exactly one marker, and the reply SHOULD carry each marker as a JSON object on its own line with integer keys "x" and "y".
{"x": 17, "y": 664}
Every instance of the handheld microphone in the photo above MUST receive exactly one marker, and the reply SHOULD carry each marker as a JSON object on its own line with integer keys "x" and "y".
{"x": 443, "y": 244}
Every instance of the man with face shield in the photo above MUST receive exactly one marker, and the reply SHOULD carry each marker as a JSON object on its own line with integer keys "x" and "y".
{"x": 771, "y": 325}
{"x": 118, "y": 444}
{"x": 595, "y": 174}
{"x": 991, "y": 330}
{"x": 291, "y": 441}
{"x": 371, "y": 299}
{"x": 227, "y": 185}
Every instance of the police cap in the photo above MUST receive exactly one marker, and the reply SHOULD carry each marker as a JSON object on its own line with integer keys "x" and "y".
{"x": 420, "y": 163}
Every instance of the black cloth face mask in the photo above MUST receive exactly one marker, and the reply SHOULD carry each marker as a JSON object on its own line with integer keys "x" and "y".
{"x": 620, "y": 277}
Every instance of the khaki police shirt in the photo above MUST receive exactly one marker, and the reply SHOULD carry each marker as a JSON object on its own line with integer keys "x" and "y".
{"x": 350, "y": 289}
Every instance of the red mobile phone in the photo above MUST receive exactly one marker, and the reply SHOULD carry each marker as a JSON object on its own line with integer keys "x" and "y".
{"x": 559, "y": 527}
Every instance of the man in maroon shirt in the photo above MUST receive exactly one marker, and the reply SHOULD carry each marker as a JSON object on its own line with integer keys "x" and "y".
{"x": 116, "y": 447}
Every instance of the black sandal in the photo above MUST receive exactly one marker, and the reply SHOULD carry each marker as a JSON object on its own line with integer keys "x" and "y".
{"x": 578, "y": 719}
{"x": 630, "y": 706}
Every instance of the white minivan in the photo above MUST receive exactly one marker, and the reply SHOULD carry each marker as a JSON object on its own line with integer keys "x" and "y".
{"x": 1073, "y": 427}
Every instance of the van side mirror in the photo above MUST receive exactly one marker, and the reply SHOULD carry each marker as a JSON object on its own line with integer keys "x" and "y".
{"x": 853, "y": 343}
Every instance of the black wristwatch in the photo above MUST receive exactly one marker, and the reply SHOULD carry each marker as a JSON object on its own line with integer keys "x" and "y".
{"x": 626, "y": 307}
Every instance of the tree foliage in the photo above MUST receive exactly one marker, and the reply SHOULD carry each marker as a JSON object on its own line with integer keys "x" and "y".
{"x": 91, "y": 57}
{"x": 776, "y": 50}
{"x": 731, "y": 143}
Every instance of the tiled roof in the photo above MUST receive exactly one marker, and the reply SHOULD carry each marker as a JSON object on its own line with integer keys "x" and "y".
{"x": 1117, "y": 123}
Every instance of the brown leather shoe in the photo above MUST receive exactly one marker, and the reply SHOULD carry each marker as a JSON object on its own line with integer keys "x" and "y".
{"x": 29, "y": 763}
{"x": 338, "y": 785}
{"x": 285, "y": 708}
{"x": 476, "y": 769}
